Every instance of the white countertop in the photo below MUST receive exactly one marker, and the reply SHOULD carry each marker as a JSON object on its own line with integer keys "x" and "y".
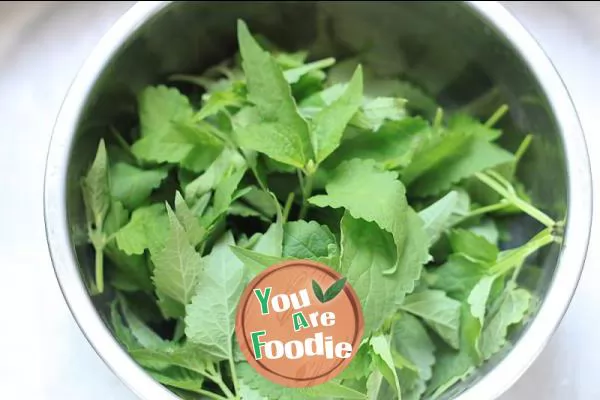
{"x": 45, "y": 356}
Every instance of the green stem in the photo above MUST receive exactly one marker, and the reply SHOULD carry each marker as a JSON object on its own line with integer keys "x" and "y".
{"x": 439, "y": 117}
{"x": 523, "y": 148}
{"x": 485, "y": 209}
{"x": 513, "y": 257}
{"x": 288, "y": 206}
{"x": 210, "y": 395}
{"x": 99, "y": 268}
{"x": 234, "y": 378}
{"x": 306, "y": 192}
{"x": 524, "y": 206}
{"x": 503, "y": 109}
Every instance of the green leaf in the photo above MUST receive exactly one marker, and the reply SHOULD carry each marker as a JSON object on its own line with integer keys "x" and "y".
{"x": 371, "y": 194}
{"x": 191, "y": 224}
{"x": 360, "y": 366}
{"x": 329, "y": 124}
{"x": 132, "y": 185}
{"x": 384, "y": 361}
{"x": 318, "y": 291}
{"x": 478, "y": 300}
{"x": 162, "y": 111}
{"x": 438, "y": 311}
{"x": 475, "y": 156}
{"x": 145, "y": 336}
{"x": 453, "y": 366}
{"x": 178, "y": 377}
{"x": 130, "y": 270}
{"x": 282, "y": 134}
{"x": 145, "y": 230}
{"x": 306, "y": 240}
{"x": 334, "y": 290}
{"x": 210, "y": 317}
{"x": 227, "y": 160}
{"x": 390, "y": 145}
{"x": 487, "y": 229}
{"x": 374, "y": 112}
{"x": 332, "y": 389}
{"x": 225, "y": 194}
{"x": 458, "y": 275}
{"x": 116, "y": 218}
{"x": 178, "y": 268}
{"x": 255, "y": 262}
{"x": 437, "y": 216}
{"x": 366, "y": 252}
{"x": 187, "y": 356}
{"x": 271, "y": 243}
{"x": 512, "y": 310}
{"x": 411, "y": 340}
{"x": 96, "y": 192}
{"x": 473, "y": 246}
{"x": 293, "y": 75}
{"x": 465, "y": 123}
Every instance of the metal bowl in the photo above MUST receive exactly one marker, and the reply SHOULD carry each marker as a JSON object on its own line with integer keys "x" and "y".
{"x": 456, "y": 51}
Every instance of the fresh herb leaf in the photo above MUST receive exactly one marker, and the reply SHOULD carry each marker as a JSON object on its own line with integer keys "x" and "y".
{"x": 353, "y": 186}
{"x": 132, "y": 185}
{"x": 329, "y": 124}
{"x": 210, "y": 317}
{"x": 178, "y": 268}
{"x": 284, "y": 134}
{"x": 145, "y": 230}
{"x": 306, "y": 240}
{"x": 438, "y": 311}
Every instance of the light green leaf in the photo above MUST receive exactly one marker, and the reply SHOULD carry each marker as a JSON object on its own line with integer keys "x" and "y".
{"x": 475, "y": 156}
{"x": 132, "y": 185}
{"x": 473, "y": 246}
{"x": 178, "y": 268}
{"x": 145, "y": 336}
{"x": 227, "y": 160}
{"x": 187, "y": 356}
{"x": 366, "y": 252}
{"x": 116, "y": 218}
{"x": 145, "y": 230}
{"x": 306, "y": 240}
{"x": 161, "y": 109}
{"x": 369, "y": 193}
{"x": 210, "y": 317}
{"x": 458, "y": 275}
{"x": 283, "y": 134}
{"x": 178, "y": 377}
{"x": 477, "y": 300}
{"x": 271, "y": 243}
{"x": 96, "y": 191}
{"x": 438, "y": 311}
{"x": 512, "y": 310}
{"x": 329, "y": 124}
{"x": 331, "y": 390}
{"x": 168, "y": 307}
{"x": 130, "y": 270}
{"x": 225, "y": 194}
{"x": 255, "y": 262}
{"x": 453, "y": 366}
{"x": 374, "y": 112}
{"x": 466, "y": 123}
{"x": 411, "y": 340}
{"x": 437, "y": 216}
{"x": 191, "y": 224}
{"x": 390, "y": 145}
{"x": 218, "y": 101}
{"x": 293, "y": 75}
{"x": 384, "y": 361}
{"x": 487, "y": 229}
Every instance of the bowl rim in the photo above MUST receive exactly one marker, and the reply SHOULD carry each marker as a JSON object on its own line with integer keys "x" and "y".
{"x": 499, "y": 379}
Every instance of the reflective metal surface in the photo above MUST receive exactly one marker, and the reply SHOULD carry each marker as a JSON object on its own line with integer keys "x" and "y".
{"x": 45, "y": 79}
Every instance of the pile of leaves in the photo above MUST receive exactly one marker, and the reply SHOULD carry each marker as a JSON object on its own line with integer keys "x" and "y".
{"x": 271, "y": 158}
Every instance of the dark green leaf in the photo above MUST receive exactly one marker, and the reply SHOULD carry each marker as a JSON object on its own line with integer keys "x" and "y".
{"x": 318, "y": 291}
{"x": 334, "y": 290}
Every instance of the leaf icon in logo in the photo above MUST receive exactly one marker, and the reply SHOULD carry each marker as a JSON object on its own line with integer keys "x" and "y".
{"x": 317, "y": 291}
{"x": 330, "y": 293}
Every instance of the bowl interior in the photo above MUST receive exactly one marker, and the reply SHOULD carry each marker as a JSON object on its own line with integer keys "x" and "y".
{"x": 444, "y": 48}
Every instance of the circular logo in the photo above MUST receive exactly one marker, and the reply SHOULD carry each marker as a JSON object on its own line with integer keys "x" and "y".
{"x": 299, "y": 323}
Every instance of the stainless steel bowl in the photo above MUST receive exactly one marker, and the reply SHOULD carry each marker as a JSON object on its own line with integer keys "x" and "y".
{"x": 457, "y": 51}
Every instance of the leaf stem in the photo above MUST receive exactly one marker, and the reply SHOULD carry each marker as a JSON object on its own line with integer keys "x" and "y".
{"x": 288, "y": 206}
{"x": 234, "y": 378}
{"x": 99, "y": 268}
{"x": 513, "y": 257}
{"x": 307, "y": 184}
{"x": 509, "y": 194}
{"x": 499, "y": 113}
{"x": 485, "y": 209}
{"x": 210, "y": 395}
{"x": 439, "y": 117}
